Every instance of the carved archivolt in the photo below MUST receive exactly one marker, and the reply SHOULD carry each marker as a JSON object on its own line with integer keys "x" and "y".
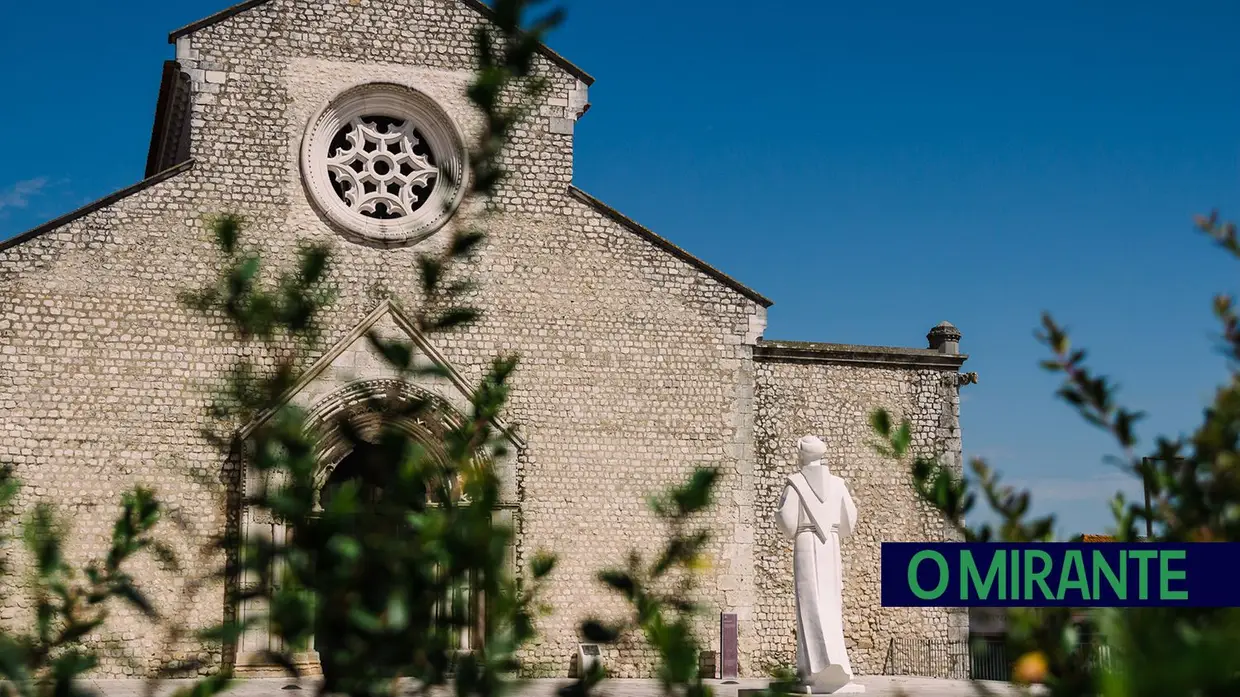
{"x": 385, "y": 163}
{"x": 371, "y": 405}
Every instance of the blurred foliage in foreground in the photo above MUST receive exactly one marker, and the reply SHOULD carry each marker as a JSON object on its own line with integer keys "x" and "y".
{"x": 383, "y": 569}
{"x": 1194, "y": 485}
{"x": 68, "y": 603}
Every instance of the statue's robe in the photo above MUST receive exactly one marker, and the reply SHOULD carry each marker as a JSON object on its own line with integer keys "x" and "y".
{"x": 816, "y": 512}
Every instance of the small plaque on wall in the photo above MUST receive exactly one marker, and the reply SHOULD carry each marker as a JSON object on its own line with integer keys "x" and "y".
{"x": 728, "y": 659}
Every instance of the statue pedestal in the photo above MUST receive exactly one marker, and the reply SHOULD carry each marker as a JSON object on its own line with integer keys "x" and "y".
{"x": 849, "y": 688}
{"x": 832, "y": 680}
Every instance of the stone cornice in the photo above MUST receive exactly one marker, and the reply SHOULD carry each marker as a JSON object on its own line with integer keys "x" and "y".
{"x": 96, "y": 205}
{"x": 476, "y": 5}
{"x": 849, "y": 354}
{"x": 667, "y": 246}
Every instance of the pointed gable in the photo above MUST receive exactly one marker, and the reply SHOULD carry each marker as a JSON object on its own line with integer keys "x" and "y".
{"x": 478, "y": 6}
{"x": 354, "y": 358}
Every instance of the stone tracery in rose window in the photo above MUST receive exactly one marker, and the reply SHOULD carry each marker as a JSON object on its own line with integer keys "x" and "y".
{"x": 381, "y": 167}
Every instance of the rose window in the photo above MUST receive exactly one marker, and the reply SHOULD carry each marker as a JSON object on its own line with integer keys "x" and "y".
{"x": 380, "y": 167}
{"x": 384, "y": 163}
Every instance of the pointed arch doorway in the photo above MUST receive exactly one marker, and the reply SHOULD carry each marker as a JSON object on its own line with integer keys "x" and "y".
{"x": 365, "y": 465}
{"x": 369, "y": 407}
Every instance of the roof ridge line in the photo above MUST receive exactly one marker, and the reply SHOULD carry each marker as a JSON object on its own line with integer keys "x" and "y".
{"x": 669, "y": 246}
{"x": 96, "y": 205}
{"x": 215, "y": 18}
{"x": 477, "y": 5}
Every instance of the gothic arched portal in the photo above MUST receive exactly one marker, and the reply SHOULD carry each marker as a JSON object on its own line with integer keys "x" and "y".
{"x": 369, "y": 407}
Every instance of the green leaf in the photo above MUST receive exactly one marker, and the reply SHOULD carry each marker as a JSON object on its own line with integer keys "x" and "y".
{"x": 902, "y": 439}
{"x": 696, "y": 494}
{"x": 70, "y": 665}
{"x": 227, "y": 232}
{"x": 542, "y": 565}
{"x": 345, "y": 547}
{"x": 880, "y": 421}
{"x": 599, "y": 633}
{"x": 227, "y": 633}
{"x": 76, "y": 630}
{"x": 619, "y": 580}
{"x": 124, "y": 589}
{"x": 432, "y": 270}
{"x": 398, "y": 354}
{"x": 396, "y": 616}
{"x": 315, "y": 260}
{"x": 454, "y": 317}
{"x": 243, "y": 276}
{"x": 466, "y": 241}
{"x": 365, "y": 621}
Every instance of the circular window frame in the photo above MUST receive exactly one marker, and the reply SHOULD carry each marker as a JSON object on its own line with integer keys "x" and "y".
{"x": 442, "y": 136}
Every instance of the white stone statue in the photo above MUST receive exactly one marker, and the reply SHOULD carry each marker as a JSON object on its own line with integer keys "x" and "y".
{"x": 816, "y": 512}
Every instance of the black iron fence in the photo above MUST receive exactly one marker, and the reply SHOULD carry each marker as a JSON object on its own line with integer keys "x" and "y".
{"x": 931, "y": 658}
{"x": 979, "y": 658}
{"x": 988, "y": 660}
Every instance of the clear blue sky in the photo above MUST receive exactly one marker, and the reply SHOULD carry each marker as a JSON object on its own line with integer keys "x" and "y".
{"x": 874, "y": 168}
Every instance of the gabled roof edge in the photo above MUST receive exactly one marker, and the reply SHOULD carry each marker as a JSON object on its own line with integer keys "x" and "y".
{"x": 476, "y": 5}
{"x": 386, "y": 307}
{"x": 96, "y": 205}
{"x": 569, "y": 67}
{"x": 214, "y": 19}
{"x": 669, "y": 247}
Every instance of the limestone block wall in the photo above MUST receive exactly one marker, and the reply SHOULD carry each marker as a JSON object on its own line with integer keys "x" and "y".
{"x": 636, "y": 359}
{"x": 639, "y": 362}
{"x": 829, "y": 391}
{"x": 99, "y": 370}
{"x": 634, "y": 371}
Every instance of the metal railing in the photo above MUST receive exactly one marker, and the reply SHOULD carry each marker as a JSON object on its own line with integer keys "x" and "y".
{"x": 980, "y": 658}
{"x": 988, "y": 660}
{"x": 929, "y": 658}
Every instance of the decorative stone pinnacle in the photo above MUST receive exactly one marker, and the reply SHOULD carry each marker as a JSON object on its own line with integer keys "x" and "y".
{"x": 944, "y": 338}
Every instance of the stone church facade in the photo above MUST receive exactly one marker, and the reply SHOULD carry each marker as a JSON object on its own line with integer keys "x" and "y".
{"x": 639, "y": 361}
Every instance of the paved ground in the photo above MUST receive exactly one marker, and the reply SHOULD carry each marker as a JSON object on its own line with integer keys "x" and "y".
{"x": 876, "y": 686}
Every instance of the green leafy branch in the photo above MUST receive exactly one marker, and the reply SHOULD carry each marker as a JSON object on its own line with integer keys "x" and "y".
{"x": 1194, "y": 485}
{"x": 70, "y": 604}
